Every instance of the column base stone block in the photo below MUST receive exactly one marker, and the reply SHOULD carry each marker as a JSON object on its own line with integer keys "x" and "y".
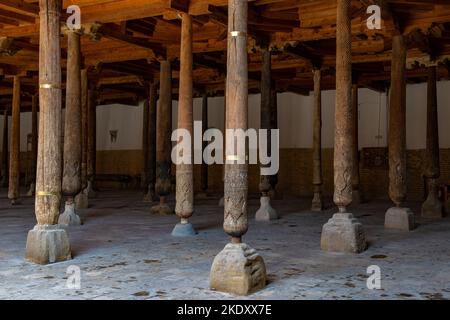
{"x": 400, "y": 219}
{"x": 184, "y": 230}
{"x": 433, "y": 208}
{"x": 238, "y": 269}
{"x": 82, "y": 200}
{"x": 69, "y": 216}
{"x": 32, "y": 190}
{"x": 266, "y": 212}
{"x": 162, "y": 209}
{"x": 222, "y": 202}
{"x": 343, "y": 233}
{"x": 317, "y": 203}
{"x": 48, "y": 244}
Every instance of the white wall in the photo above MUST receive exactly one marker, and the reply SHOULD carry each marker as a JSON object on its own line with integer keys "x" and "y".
{"x": 294, "y": 116}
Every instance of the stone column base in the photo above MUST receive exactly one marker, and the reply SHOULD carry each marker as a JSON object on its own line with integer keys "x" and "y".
{"x": 15, "y": 202}
{"x": 149, "y": 197}
{"x": 90, "y": 190}
{"x": 400, "y": 219}
{"x": 238, "y": 269}
{"x": 47, "y": 244}
{"x": 32, "y": 190}
{"x": 317, "y": 203}
{"x": 222, "y": 202}
{"x": 343, "y": 233}
{"x": 82, "y": 200}
{"x": 266, "y": 212}
{"x": 69, "y": 216}
{"x": 184, "y": 230}
{"x": 162, "y": 209}
{"x": 432, "y": 207}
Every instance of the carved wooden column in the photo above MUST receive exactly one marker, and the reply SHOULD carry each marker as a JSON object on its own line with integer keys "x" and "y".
{"x": 317, "y": 202}
{"x": 185, "y": 168}
{"x": 164, "y": 144}
{"x": 14, "y": 152}
{"x": 34, "y": 143}
{"x": 433, "y": 207}
{"x": 48, "y": 242}
{"x": 343, "y": 233}
{"x": 266, "y": 212}
{"x": 82, "y": 199}
{"x": 356, "y": 195}
{"x": 5, "y": 150}
{"x": 92, "y": 140}
{"x": 71, "y": 183}
{"x": 145, "y": 146}
{"x": 204, "y": 167}
{"x": 238, "y": 268}
{"x": 273, "y": 179}
{"x": 152, "y": 102}
{"x": 398, "y": 217}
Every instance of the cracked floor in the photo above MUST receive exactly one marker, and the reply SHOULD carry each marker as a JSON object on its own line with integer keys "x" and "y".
{"x": 123, "y": 252}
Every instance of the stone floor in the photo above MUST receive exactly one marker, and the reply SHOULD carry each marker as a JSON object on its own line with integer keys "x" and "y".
{"x": 125, "y": 253}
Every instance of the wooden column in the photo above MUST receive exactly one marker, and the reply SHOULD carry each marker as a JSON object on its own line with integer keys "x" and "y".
{"x": 343, "y": 233}
{"x": 433, "y": 207}
{"x": 5, "y": 150}
{"x": 92, "y": 139}
{"x": 397, "y": 123}
{"x": 82, "y": 198}
{"x": 14, "y": 153}
{"x": 34, "y": 143}
{"x": 145, "y": 146}
{"x": 317, "y": 203}
{"x": 164, "y": 144}
{"x": 84, "y": 126}
{"x": 398, "y": 217}
{"x": 273, "y": 180}
{"x": 152, "y": 102}
{"x": 185, "y": 171}
{"x": 356, "y": 192}
{"x": 238, "y": 268}
{"x": 204, "y": 167}
{"x": 71, "y": 183}
{"x": 47, "y": 242}
{"x": 266, "y": 212}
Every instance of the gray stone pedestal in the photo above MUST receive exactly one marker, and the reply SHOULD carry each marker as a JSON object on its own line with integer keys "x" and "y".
{"x": 400, "y": 219}
{"x": 266, "y": 212}
{"x": 317, "y": 203}
{"x": 149, "y": 196}
{"x": 90, "y": 190}
{"x": 343, "y": 233}
{"x": 162, "y": 209}
{"x": 184, "y": 229}
{"x": 82, "y": 200}
{"x": 222, "y": 202}
{"x": 238, "y": 269}
{"x": 433, "y": 207}
{"x": 48, "y": 244}
{"x": 69, "y": 216}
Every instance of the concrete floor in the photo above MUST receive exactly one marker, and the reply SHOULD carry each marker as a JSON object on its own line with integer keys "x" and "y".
{"x": 125, "y": 253}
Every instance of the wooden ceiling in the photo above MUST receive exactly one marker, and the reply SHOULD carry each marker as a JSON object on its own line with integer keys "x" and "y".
{"x": 124, "y": 40}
